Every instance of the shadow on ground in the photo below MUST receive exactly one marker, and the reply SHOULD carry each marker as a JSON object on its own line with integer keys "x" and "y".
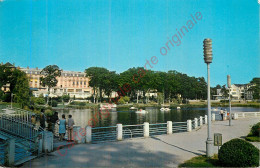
{"x": 113, "y": 154}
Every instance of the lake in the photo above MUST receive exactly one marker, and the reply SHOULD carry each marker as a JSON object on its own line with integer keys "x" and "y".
{"x": 84, "y": 117}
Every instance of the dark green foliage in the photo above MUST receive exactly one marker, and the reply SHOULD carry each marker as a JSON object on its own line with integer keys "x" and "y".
{"x": 256, "y": 129}
{"x": 66, "y": 98}
{"x": 82, "y": 104}
{"x": 53, "y": 103}
{"x": 238, "y": 153}
{"x": 255, "y": 88}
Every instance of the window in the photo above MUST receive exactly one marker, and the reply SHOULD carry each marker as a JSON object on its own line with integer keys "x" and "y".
{"x": 84, "y": 82}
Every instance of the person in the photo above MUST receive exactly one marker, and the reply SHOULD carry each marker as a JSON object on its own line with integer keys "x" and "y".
{"x": 70, "y": 128}
{"x": 222, "y": 114}
{"x": 54, "y": 119}
{"x": 62, "y": 127}
{"x": 33, "y": 119}
{"x": 42, "y": 119}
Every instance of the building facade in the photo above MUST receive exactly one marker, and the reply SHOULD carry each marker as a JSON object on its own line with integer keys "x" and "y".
{"x": 237, "y": 91}
{"x": 74, "y": 84}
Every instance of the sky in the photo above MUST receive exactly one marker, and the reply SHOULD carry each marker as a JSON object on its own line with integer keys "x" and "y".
{"x": 121, "y": 34}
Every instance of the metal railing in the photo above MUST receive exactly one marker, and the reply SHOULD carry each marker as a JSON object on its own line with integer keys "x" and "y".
{"x": 157, "y": 129}
{"x": 248, "y": 114}
{"x": 133, "y": 131}
{"x": 16, "y": 124}
{"x": 179, "y": 127}
{"x": 102, "y": 134}
{"x": 12, "y": 125}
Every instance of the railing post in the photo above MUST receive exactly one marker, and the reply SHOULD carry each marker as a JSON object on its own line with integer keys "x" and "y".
{"x": 196, "y": 122}
{"x": 39, "y": 139}
{"x": 201, "y": 121}
{"x": 169, "y": 127}
{"x": 213, "y": 117}
{"x": 89, "y": 134}
{"x": 119, "y": 132}
{"x": 235, "y": 116}
{"x": 146, "y": 129}
{"x": 189, "y": 126}
{"x": 255, "y": 114}
{"x": 243, "y": 115}
{"x": 10, "y": 153}
{"x": 206, "y": 121}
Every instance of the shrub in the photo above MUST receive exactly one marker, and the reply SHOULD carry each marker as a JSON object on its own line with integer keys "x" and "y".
{"x": 121, "y": 101}
{"x": 48, "y": 112}
{"x": 54, "y": 103}
{"x": 255, "y": 130}
{"x": 238, "y": 153}
{"x": 82, "y": 104}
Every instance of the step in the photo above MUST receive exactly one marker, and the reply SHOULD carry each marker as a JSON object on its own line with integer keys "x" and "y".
{"x": 24, "y": 160}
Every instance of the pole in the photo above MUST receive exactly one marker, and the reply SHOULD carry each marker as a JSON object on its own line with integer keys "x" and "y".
{"x": 230, "y": 107}
{"x": 11, "y": 100}
{"x": 209, "y": 142}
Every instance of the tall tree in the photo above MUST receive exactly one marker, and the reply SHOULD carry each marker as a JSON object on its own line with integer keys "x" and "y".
{"x": 255, "y": 88}
{"x": 21, "y": 90}
{"x": 224, "y": 91}
{"x": 97, "y": 75}
{"x": 50, "y": 72}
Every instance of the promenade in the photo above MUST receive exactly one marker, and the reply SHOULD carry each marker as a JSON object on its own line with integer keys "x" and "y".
{"x": 159, "y": 151}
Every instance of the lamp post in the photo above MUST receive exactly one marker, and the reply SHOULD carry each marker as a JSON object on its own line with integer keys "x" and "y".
{"x": 229, "y": 89}
{"x": 207, "y": 45}
{"x": 12, "y": 100}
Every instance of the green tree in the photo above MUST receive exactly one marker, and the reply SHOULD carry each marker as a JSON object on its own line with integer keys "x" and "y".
{"x": 50, "y": 72}
{"x": 224, "y": 91}
{"x": 255, "y": 88}
{"x": 21, "y": 90}
{"x": 66, "y": 98}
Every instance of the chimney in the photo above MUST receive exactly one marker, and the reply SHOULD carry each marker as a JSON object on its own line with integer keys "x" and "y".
{"x": 27, "y": 67}
{"x": 36, "y": 68}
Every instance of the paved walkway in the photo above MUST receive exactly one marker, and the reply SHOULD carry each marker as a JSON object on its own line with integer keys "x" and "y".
{"x": 160, "y": 151}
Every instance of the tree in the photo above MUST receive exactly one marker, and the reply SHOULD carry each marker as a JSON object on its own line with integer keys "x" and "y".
{"x": 224, "y": 91}
{"x": 98, "y": 79}
{"x": 50, "y": 72}
{"x": 255, "y": 88}
{"x": 21, "y": 89}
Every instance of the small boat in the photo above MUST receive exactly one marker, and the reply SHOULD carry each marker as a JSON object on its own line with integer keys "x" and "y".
{"x": 178, "y": 108}
{"x": 133, "y": 108}
{"x": 214, "y": 109}
{"x": 162, "y": 109}
{"x": 141, "y": 111}
{"x": 167, "y": 109}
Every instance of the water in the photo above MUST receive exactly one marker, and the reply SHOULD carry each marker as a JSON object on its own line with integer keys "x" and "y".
{"x": 84, "y": 117}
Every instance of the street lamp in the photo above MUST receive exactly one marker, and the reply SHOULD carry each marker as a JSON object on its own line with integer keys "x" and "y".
{"x": 207, "y": 45}
{"x": 12, "y": 100}
{"x": 229, "y": 88}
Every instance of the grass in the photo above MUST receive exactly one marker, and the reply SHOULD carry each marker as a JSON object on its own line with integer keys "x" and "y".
{"x": 252, "y": 138}
{"x": 201, "y": 161}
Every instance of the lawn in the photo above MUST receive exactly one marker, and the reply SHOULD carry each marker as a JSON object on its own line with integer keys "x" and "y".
{"x": 201, "y": 161}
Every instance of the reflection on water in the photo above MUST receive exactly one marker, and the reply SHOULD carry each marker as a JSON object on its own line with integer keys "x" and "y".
{"x": 84, "y": 117}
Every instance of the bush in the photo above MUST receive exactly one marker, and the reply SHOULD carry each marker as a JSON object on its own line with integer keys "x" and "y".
{"x": 54, "y": 103}
{"x": 48, "y": 112}
{"x": 82, "y": 104}
{"x": 255, "y": 130}
{"x": 121, "y": 101}
{"x": 238, "y": 153}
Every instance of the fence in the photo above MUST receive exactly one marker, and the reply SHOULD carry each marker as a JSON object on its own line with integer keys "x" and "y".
{"x": 21, "y": 136}
{"x": 246, "y": 114}
{"x": 120, "y": 132}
